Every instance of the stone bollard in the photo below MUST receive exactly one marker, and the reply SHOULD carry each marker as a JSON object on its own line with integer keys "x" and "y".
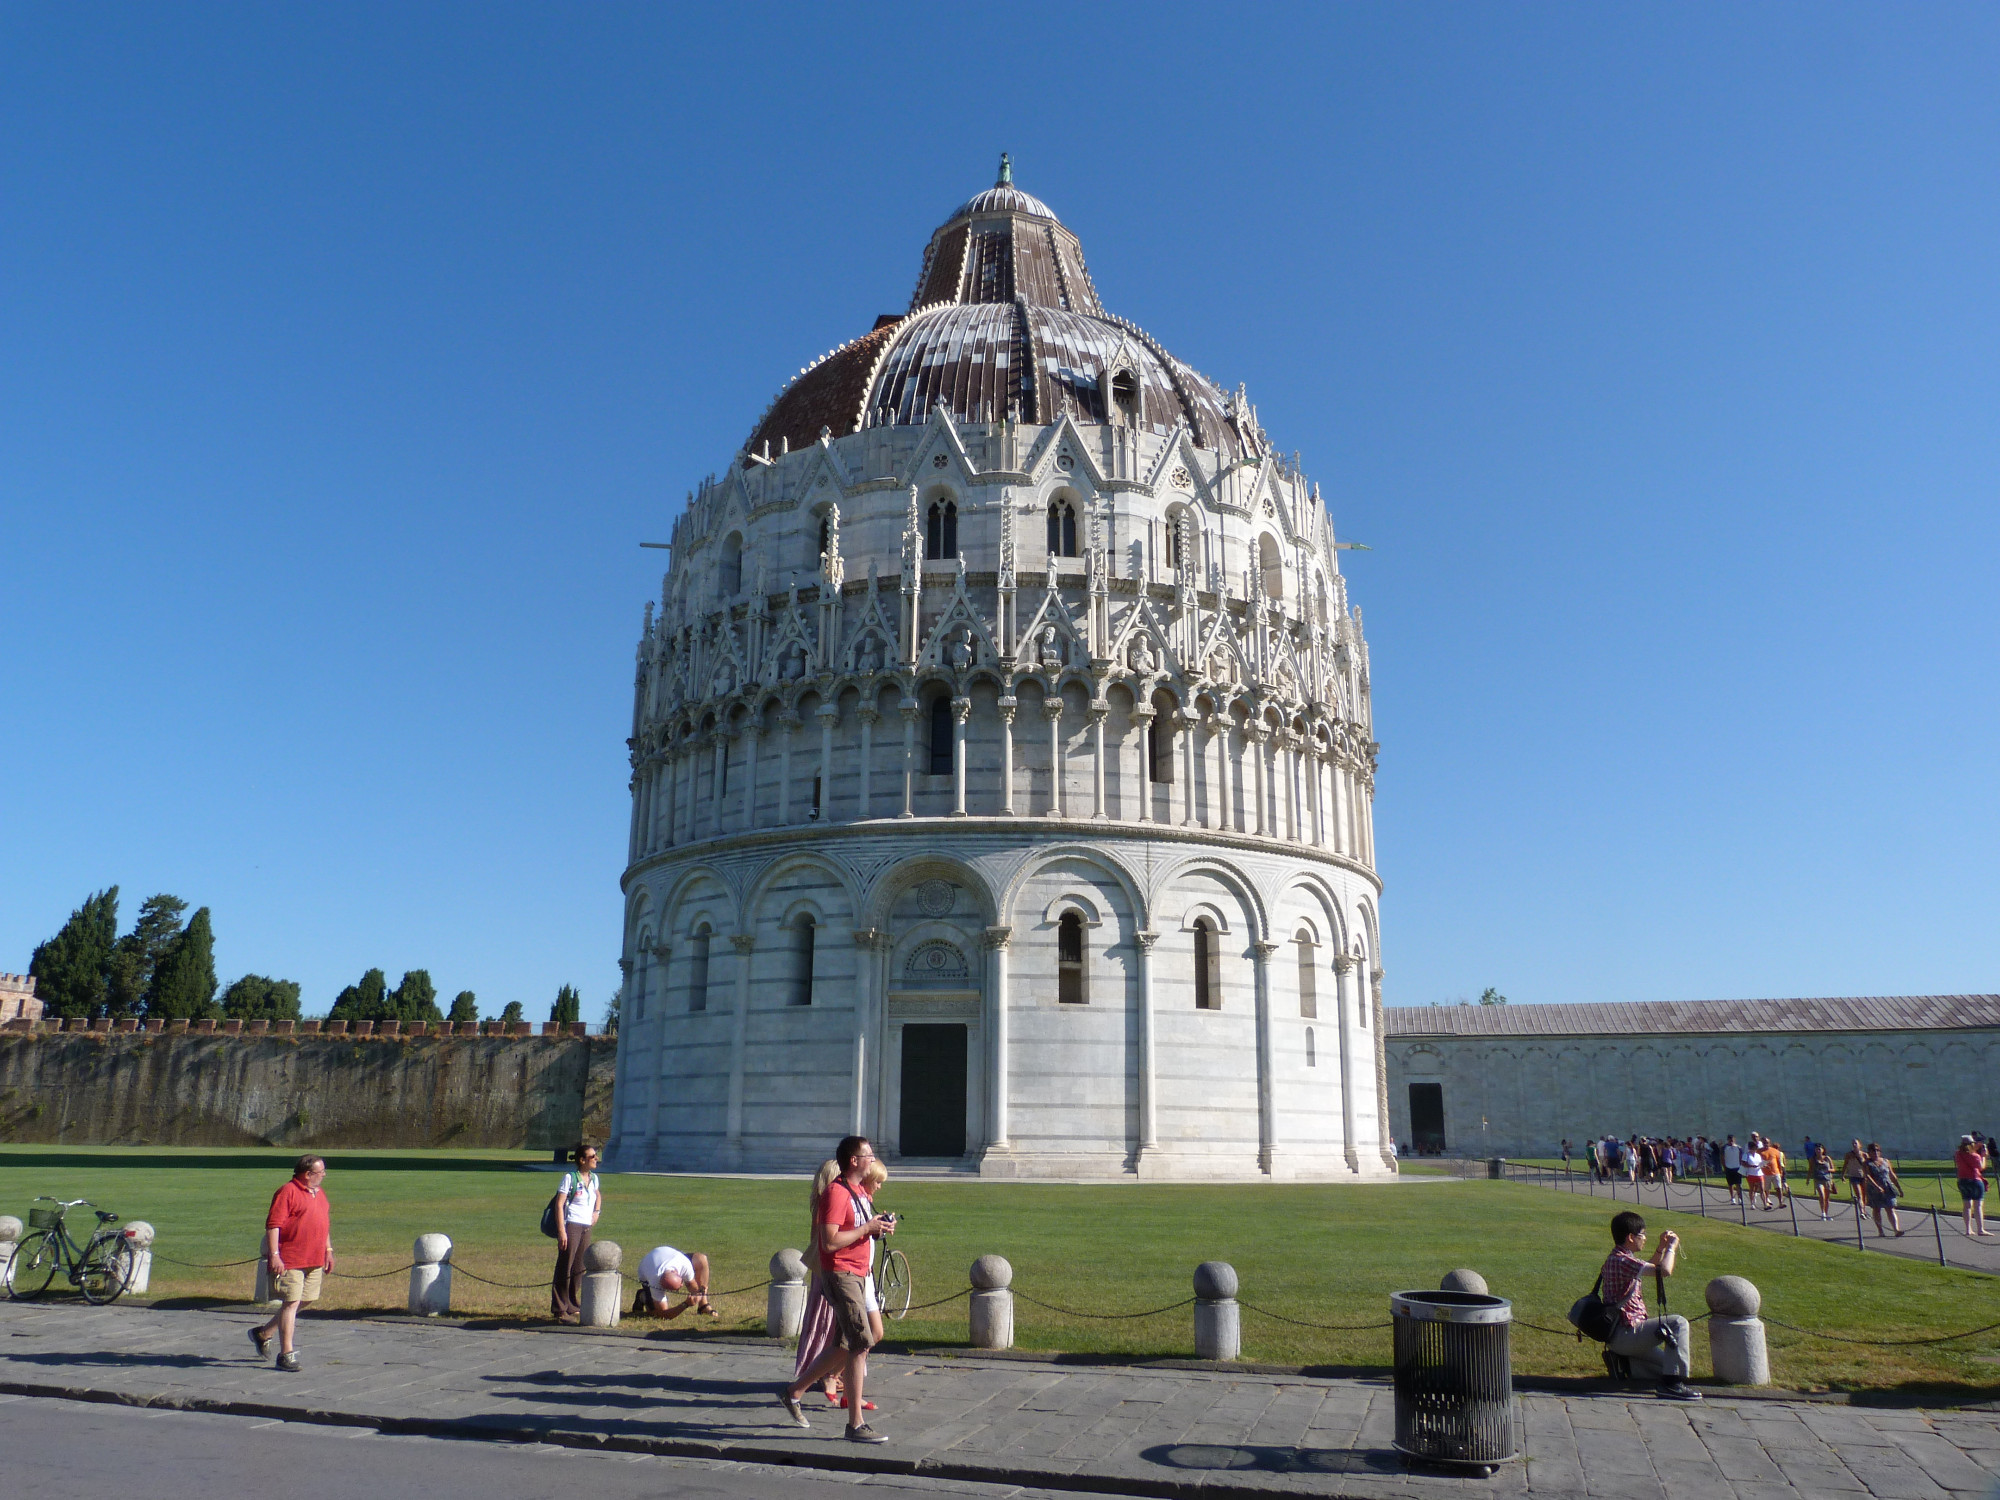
{"x": 1218, "y": 1322}
{"x": 264, "y": 1292}
{"x": 430, "y": 1276}
{"x": 992, "y": 1303}
{"x": 1735, "y": 1332}
{"x": 1464, "y": 1281}
{"x": 139, "y": 1235}
{"x": 10, "y": 1241}
{"x": 785, "y": 1301}
{"x": 603, "y": 1287}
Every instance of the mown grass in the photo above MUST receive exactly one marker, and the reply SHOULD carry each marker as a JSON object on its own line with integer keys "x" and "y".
{"x": 1321, "y": 1254}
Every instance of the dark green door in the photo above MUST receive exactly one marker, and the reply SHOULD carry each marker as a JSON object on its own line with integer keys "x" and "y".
{"x": 933, "y": 1091}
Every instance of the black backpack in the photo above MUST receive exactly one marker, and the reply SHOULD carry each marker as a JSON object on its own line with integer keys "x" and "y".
{"x": 549, "y": 1212}
{"x": 1593, "y": 1320}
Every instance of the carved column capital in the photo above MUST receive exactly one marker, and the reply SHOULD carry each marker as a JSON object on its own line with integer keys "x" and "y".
{"x": 869, "y": 714}
{"x": 1145, "y": 940}
{"x": 625, "y": 967}
{"x": 1342, "y": 963}
{"x": 744, "y": 941}
{"x": 1052, "y": 709}
{"x": 996, "y": 937}
{"x": 662, "y": 952}
{"x": 1264, "y": 950}
{"x": 871, "y": 938}
{"x": 961, "y": 709}
{"x": 910, "y": 710}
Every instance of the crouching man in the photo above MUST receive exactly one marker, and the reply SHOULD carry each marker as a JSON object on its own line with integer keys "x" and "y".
{"x": 1656, "y": 1348}
{"x": 664, "y": 1271}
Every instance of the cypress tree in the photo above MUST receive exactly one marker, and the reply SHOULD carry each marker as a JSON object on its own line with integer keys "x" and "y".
{"x": 464, "y": 1008}
{"x": 70, "y": 969}
{"x": 366, "y": 1001}
{"x": 568, "y": 1006}
{"x": 511, "y": 1013}
{"x": 184, "y": 980}
{"x": 415, "y": 998}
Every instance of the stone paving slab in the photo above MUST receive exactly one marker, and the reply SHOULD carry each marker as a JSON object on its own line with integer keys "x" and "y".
{"x": 1179, "y": 1432}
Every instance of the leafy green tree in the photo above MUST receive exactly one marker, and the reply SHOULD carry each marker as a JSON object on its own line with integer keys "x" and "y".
{"x": 568, "y": 1006}
{"x": 1492, "y": 997}
{"x": 256, "y": 998}
{"x": 184, "y": 980}
{"x": 366, "y": 1001}
{"x": 611, "y": 1011}
{"x": 137, "y": 957}
{"x": 465, "y": 1007}
{"x": 70, "y": 968}
{"x": 512, "y": 1013}
{"x": 415, "y": 998}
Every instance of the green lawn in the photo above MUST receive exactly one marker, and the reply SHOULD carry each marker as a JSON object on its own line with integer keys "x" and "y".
{"x": 1319, "y": 1254}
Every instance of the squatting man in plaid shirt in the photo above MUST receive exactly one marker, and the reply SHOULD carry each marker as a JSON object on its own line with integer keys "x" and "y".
{"x": 1657, "y": 1348}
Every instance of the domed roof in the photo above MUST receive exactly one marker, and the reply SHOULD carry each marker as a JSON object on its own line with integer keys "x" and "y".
{"x": 1005, "y": 319}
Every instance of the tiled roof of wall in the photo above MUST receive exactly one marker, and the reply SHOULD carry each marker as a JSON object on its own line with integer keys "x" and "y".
{"x": 1638, "y": 1018}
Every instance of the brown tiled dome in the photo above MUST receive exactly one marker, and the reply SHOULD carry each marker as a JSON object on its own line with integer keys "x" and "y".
{"x": 1005, "y": 320}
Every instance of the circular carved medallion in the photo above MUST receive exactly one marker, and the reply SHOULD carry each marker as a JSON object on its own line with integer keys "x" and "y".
{"x": 934, "y": 897}
{"x": 938, "y": 460}
{"x": 1181, "y": 479}
{"x": 1065, "y": 462}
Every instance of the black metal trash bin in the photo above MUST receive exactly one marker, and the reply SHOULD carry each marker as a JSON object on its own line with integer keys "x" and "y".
{"x": 1454, "y": 1377}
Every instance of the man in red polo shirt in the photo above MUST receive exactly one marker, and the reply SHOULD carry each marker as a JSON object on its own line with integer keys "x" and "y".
{"x": 298, "y": 1248}
{"x": 848, "y": 1228}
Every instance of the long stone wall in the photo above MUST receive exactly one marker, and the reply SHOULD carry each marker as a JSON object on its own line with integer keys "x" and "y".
{"x": 1914, "y": 1091}
{"x": 216, "y": 1089}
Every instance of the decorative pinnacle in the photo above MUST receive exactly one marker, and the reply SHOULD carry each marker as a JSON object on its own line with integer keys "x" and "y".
{"x": 1006, "y": 171}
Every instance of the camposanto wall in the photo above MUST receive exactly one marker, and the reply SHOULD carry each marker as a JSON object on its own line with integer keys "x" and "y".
{"x": 1914, "y": 1091}
{"x": 192, "y": 1089}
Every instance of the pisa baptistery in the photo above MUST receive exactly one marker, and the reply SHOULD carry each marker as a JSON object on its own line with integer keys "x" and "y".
{"x": 1002, "y": 765}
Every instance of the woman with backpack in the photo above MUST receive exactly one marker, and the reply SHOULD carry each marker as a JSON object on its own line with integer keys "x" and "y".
{"x": 577, "y": 1203}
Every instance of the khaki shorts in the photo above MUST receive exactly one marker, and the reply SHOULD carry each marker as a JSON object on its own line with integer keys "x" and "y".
{"x": 298, "y": 1286}
{"x": 850, "y": 1311}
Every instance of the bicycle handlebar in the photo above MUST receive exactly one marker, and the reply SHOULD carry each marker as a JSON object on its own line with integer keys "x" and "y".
{"x": 65, "y": 1203}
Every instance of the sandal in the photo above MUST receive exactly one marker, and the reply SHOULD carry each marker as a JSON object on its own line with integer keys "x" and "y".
{"x": 839, "y": 1401}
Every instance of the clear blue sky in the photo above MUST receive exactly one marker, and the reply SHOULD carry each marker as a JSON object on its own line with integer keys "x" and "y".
{"x": 346, "y": 353}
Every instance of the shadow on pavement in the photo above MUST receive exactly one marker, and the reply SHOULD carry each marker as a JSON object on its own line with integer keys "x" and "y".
{"x": 1222, "y": 1457}
{"x": 133, "y": 1361}
{"x": 556, "y": 1386}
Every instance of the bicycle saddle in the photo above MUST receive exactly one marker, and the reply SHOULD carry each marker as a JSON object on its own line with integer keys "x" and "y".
{"x": 105, "y": 1218}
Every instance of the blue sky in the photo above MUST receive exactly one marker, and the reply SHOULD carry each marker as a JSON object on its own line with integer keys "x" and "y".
{"x": 346, "y": 352}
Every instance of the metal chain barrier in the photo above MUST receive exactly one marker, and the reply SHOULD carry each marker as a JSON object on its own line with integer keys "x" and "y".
{"x": 1302, "y": 1323}
{"x": 923, "y": 1306}
{"x": 373, "y": 1275}
{"x": 518, "y": 1286}
{"x": 202, "y": 1265}
{"x": 1102, "y": 1317}
{"x": 1944, "y": 1338}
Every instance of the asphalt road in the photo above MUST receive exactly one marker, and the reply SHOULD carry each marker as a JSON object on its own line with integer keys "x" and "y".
{"x": 54, "y": 1450}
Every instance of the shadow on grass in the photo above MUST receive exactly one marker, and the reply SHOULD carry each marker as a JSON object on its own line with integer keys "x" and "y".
{"x": 276, "y": 1160}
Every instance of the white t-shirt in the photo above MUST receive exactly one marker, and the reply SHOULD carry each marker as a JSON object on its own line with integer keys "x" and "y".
{"x": 582, "y": 1209}
{"x": 658, "y": 1261}
{"x": 1732, "y": 1158}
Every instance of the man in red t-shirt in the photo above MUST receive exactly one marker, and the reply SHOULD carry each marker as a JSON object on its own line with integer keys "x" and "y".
{"x": 848, "y": 1226}
{"x": 298, "y": 1249}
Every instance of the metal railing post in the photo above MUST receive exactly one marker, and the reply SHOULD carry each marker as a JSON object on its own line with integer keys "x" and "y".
{"x": 1938, "y": 1230}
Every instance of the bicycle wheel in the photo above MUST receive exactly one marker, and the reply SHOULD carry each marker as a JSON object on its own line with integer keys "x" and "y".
{"x": 893, "y": 1286}
{"x": 36, "y": 1260}
{"x": 106, "y": 1272}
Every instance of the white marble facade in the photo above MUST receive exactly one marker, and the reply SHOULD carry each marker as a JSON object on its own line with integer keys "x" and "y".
{"x": 1003, "y": 765}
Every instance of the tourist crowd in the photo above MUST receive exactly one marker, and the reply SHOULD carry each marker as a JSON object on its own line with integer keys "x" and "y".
{"x": 1758, "y": 1171}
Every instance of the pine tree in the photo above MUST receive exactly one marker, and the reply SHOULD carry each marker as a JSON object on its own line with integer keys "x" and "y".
{"x": 464, "y": 1008}
{"x": 70, "y": 968}
{"x": 415, "y": 999}
{"x": 256, "y": 998}
{"x": 568, "y": 1006}
{"x": 137, "y": 956}
{"x": 366, "y": 1001}
{"x": 184, "y": 980}
{"x": 611, "y": 1010}
{"x": 511, "y": 1015}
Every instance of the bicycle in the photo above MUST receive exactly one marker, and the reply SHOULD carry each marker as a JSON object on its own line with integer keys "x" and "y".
{"x": 101, "y": 1269}
{"x": 893, "y": 1286}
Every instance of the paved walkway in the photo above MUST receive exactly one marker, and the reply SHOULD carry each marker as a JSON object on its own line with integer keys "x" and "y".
{"x": 1132, "y": 1430}
{"x": 1924, "y": 1235}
